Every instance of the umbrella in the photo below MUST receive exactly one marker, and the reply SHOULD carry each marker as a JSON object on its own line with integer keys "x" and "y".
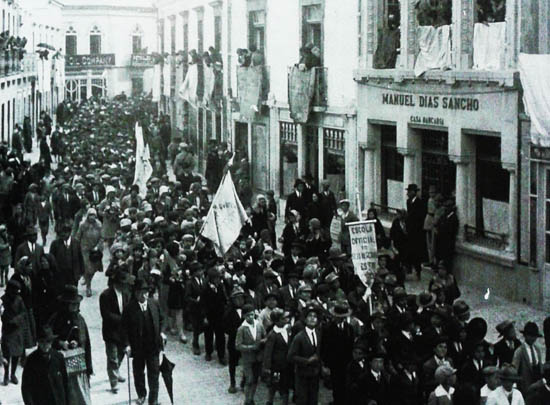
{"x": 166, "y": 369}
{"x": 44, "y": 45}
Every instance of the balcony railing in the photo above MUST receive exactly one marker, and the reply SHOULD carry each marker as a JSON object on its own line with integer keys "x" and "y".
{"x": 142, "y": 60}
{"x": 488, "y": 239}
{"x": 89, "y": 61}
{"x": 9, "y": 63}
{"x": 320, "y": 96}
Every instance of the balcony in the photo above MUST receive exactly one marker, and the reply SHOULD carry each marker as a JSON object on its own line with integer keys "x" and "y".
{"x": 307, "y": 91}
{"x": 10, "y": 63}
{"x": 75, "y": 62}
{"x": 142, "y": 60}
{"x": 252, "y": 89}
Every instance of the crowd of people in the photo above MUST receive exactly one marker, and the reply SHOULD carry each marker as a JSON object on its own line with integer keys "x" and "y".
{"x": 288, "y": 309}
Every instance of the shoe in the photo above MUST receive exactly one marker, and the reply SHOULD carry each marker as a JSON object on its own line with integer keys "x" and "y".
{"x": 208, "y": 357}
{"x": 6, "y": 381}
{"x": 196, "y": 351}
{"x": 140, "y": 401}
{"x": 183, "y": 339}
{"x": 222, "y": 361}
{"x": 114, "y": 390}
{"x": 232, "y": 389}
{"x": 14, "y": 380}
{"x": 121, "y": 379}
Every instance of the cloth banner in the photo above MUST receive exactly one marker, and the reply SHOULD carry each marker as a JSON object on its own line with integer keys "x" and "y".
{"x": 301, "y": 87}
{"x": 156, "y": 83}
{"x": 435, "y": 49}
{"x": 249, "y": 88}
{"x": 225, "y": 218}
{"x": 489, "y": 46}
{"x": 144, "y": 169}
{"x": 335, "y": 230}
{"x": 364, "y": 252}
{"x": 209, "y": 82}
{"x": 535, "y": 80}
{"x": 188, "y": 90}
{"x": 166, "y": 72}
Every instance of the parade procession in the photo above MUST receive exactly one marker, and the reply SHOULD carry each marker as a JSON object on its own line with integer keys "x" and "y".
{"x": 275, "y": 202}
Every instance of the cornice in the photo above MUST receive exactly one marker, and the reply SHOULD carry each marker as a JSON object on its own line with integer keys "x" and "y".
{"x": 145, "y": 10}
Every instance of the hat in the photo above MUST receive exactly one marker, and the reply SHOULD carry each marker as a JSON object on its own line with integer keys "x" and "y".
{"x": 412, "y": 187}
{"x": 237, "y": 292}
{"x": 305, "y": 287}
{"x": 531, "y": 329}
{"x": 504, "y": 326}
{"x": 277, "y": 263}
{"x": 443, "y": 372}
{"x": 460, "y": 308}
{"x": 341, "y": 309}
{"x": 297, "y": 182}
{"x": 331, "y": 278}
{"x": 125, "y": 222}
{"x": 277, "y": 314}
{"x": 31, "y": 230}
{"x": 477, "y": 329}
{"x": 70, "y": 295}
{"x": 45, "y": 334}
{"x": 140, "y": 284}
{"x": 159, "y": 219}
{"x": 399, "y": 293}
{"x": 310, "y": 308}
{"x": 118, "y": 245}
{"x": 188, "y": 236}
{"x": 195, "y": 266}
{"x": 294, "y": 213}
{"x": 325, "y": 182}
{"x": 436, "y": 287}
{"x": 123, "y": 277}
{"x": 344, "y": 201}
{"x": 425, "y": 299}
{"x": 109, "y": 189}
{"x": 91, "y": 211}
{"x": 490, "y": 370}
{"x": 335, "y": 253}
{"x": 314, "y": 223}
{"x": 508, "y": 373}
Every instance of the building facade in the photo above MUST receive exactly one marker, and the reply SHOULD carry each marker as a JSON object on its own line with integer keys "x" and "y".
{"x": 105, "y": 42}
{"x": 29, "y": 83}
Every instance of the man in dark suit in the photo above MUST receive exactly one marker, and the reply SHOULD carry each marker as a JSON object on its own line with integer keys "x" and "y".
{"x": 338, "y": 338}
{"x": 405, "y": 386}
{"x": 112, "y": 302}
{"x": 96, "y": 194}
{"x": 142, "y": 322}
{"x": 376, "y": 381}
{"x": 309, "y": 187}
{"x": 66, "y": 204}
{"x": 193, "y": 291}
{"x": 232, "y": 319}
{"x": 355, "y": 374}
{"x": 327, "y": 200}
{"x": 305, "y": 354}
{"x": 447, "y": 229}
{"x": 539, "y": 392}
{"x": 214, "y": 301}
{"x": 31, "y": 249}
{"x": 297, "y": 201}
{"x": 505, "y": 347}
{"x": 416, "y": 213}
{"x": 68, "y": 256}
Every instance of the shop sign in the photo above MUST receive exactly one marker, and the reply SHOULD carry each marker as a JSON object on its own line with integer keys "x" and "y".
{"x": 139, "y": 60}
{"x": 105, "y": 59}
{"x": 540, "y": 153}
{"x": 416, "y": 119}
{"x": 431, "y": 101}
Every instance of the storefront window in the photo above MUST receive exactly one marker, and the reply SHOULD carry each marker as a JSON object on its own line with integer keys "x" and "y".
{"x": 437, "y": 168}
{"x": 392, "y": 169}
{"x": 289, "y": 156}
{"x": 492, "y": 188}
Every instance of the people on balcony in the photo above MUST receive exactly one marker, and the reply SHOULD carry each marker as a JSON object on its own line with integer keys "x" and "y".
{"x": 244, "y": 57}
{"x": 434, "y": 13}
{"x": 310, "y": 57}
{"x": 489, "y": 11}
{"x": 195, "y": 58}
{"x": 256, "y": 56}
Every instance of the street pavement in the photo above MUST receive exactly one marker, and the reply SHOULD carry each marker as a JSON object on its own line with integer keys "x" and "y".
{"x": 199, "y": 382}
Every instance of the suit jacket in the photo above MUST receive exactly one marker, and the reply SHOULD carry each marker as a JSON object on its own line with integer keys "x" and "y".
{"x": 416, "y": 213}
{"x": 293, "y": 202}
{"x": 355, "y": 376}
{"x": 101, "y": 196}
{"x": 193, "y": 292}
{"x": 525, "y": 370}
{"x": 24, "y": 250}
{"x": 285, "y": 297}
{"x": 231, "y": 323}
{"x": 378, "y": 391}
{"x": 133, "y": 325}
{"x": 213, "y": 303}
{"x": 301, "y": 349}
{"x": 446, "y": 236}
{"x": 69, "y": 260}
{"x": 338, "y": 344}
{"x": 504, "y": 353}
{"x": 45, "y": 381}
{"x": 498, "y": 397}
{"x": 289, "y": 235}
{"x": 112, "y": 328}
{"x": 250, "y": 346}
{"x": 537, "y": 394}
{"x": 276, "y": 351}
{"x": 405, "y": 391}
{"x": 328, "y": 208}
{"x": 469, "y": 373}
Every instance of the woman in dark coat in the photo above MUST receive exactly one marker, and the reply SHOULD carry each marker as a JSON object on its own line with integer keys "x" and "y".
{"x": 314, "y": 208}
{"x": 13, "y": 320}
{"x": 22, "y": 276}
{"x": 45, "y": 155}
{"x": 47, "y": 287}
{"x": 27, "y": 134}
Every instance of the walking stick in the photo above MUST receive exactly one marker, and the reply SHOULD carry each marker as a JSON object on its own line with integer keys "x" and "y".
{"x": 129, "y": 385}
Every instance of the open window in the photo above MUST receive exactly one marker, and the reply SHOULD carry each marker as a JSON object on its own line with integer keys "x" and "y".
{"x": 70, "y": 41}
{"x": 312, "y": 29}
{"x": 256, "y": 30}
{"x": 387, "y": 47}
{"x": 95, "y": 40}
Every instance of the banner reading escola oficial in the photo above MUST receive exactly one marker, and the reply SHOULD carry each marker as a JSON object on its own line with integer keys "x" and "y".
{"x": 364, "y": 252}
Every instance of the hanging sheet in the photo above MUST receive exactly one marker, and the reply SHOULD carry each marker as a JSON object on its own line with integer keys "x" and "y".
{"x": 301, "y": 87}
{"x": 435, "y": 49}
{"x": 249, "y": 88}
{"x": 209, "y": 82}
{"x": 156, "y": 82}
{"x": 188, "y": 90}
{"x": 489, "y": 46}
{"x": 535, "y": 80}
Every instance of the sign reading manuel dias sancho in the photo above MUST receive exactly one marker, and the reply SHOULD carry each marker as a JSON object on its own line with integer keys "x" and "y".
{"x": 432, "y": 101}
{"x": 104, "y": 59}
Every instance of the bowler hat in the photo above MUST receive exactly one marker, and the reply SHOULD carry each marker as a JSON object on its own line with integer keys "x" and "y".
{"x": 425, "y": 299}
{"x": 508, "y": 373}
{"x": 503, "y": 327}
{"x": 45, "y": 334}
{"x": 412, "y": 187}
{"x": 531, "y": 329}
{"x": 340, "y": 310}
{"x": 70, "y": 295}
{"x": 460, "y": 308}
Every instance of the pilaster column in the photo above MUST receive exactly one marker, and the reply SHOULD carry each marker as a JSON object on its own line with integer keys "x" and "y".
{"x": 320, "y": 155}
{"x": 462, "y": 191}
{"x": 275, "y": 150}
{"x": 512, "y": 210}
{"x": 408, "y": 33}
{"x": 463, "y": 33}
{"x": 369, "y": 176}
{"x": 301, "y": 138}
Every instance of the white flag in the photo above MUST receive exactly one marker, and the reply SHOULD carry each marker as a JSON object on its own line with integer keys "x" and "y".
{"x": 188, "y": 89}
{"x": 144, "y": 170}
{"x": 225, "y": 218}
{"x": 156, "y": 83}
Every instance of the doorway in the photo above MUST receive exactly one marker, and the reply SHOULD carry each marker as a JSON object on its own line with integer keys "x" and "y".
{"x": 437, "y": 169}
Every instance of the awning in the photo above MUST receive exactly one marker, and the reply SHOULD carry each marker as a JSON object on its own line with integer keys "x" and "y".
{"x": 535, "y": 79}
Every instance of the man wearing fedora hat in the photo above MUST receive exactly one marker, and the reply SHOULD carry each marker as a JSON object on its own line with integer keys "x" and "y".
{"x": 30, "y": 248}
{"x": 527, "y": 358}
{"x": 297, "y": 200}
{"x": 416, "y": 213}
{"x": 45, "y": 379}
{"x": 68, "y": 255}
{"x": 506, "y": 393}
{"x": 338, "y": 337}
{"x": 112, "y": 302}
{"x": 142, "y": 320}
{"x": 507, "y": 345}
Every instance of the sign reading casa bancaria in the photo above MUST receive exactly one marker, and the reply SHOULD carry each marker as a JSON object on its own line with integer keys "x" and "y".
{"x": 104, "y": 59}
{"x": 431, "y": 101}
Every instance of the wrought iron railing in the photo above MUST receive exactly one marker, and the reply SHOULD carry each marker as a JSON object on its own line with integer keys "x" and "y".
{"x": 10, "y": 63}
{"x": 483, "y": 237}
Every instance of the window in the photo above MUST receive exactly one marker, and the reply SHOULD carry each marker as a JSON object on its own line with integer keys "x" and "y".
{"x": 392, "y": 168}
{"x": 136, "y": 43}
{"x": 70, "y": 44}
{"x": 359, "y": 28}
{"x": 95, "y": 41}
{"x": 256, "y": 29}
{"x": 312, "y": 27}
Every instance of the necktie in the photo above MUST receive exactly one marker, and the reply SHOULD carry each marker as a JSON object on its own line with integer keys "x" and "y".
{"x": 510, "y": 396}
{"x": 32, "y": 248}
{"x": 313, "y": 340}
{"x": 534, "y": 360}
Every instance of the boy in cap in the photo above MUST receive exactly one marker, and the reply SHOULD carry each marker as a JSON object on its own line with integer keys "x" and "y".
{"x": 506, "y": 393}
{"x": 445, "y": 376}
{"x": 492, "y": 381}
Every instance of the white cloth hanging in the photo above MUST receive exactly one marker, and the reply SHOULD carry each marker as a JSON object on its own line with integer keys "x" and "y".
{"x": 489, "y": 46}
{"x": 435, "y": 49}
